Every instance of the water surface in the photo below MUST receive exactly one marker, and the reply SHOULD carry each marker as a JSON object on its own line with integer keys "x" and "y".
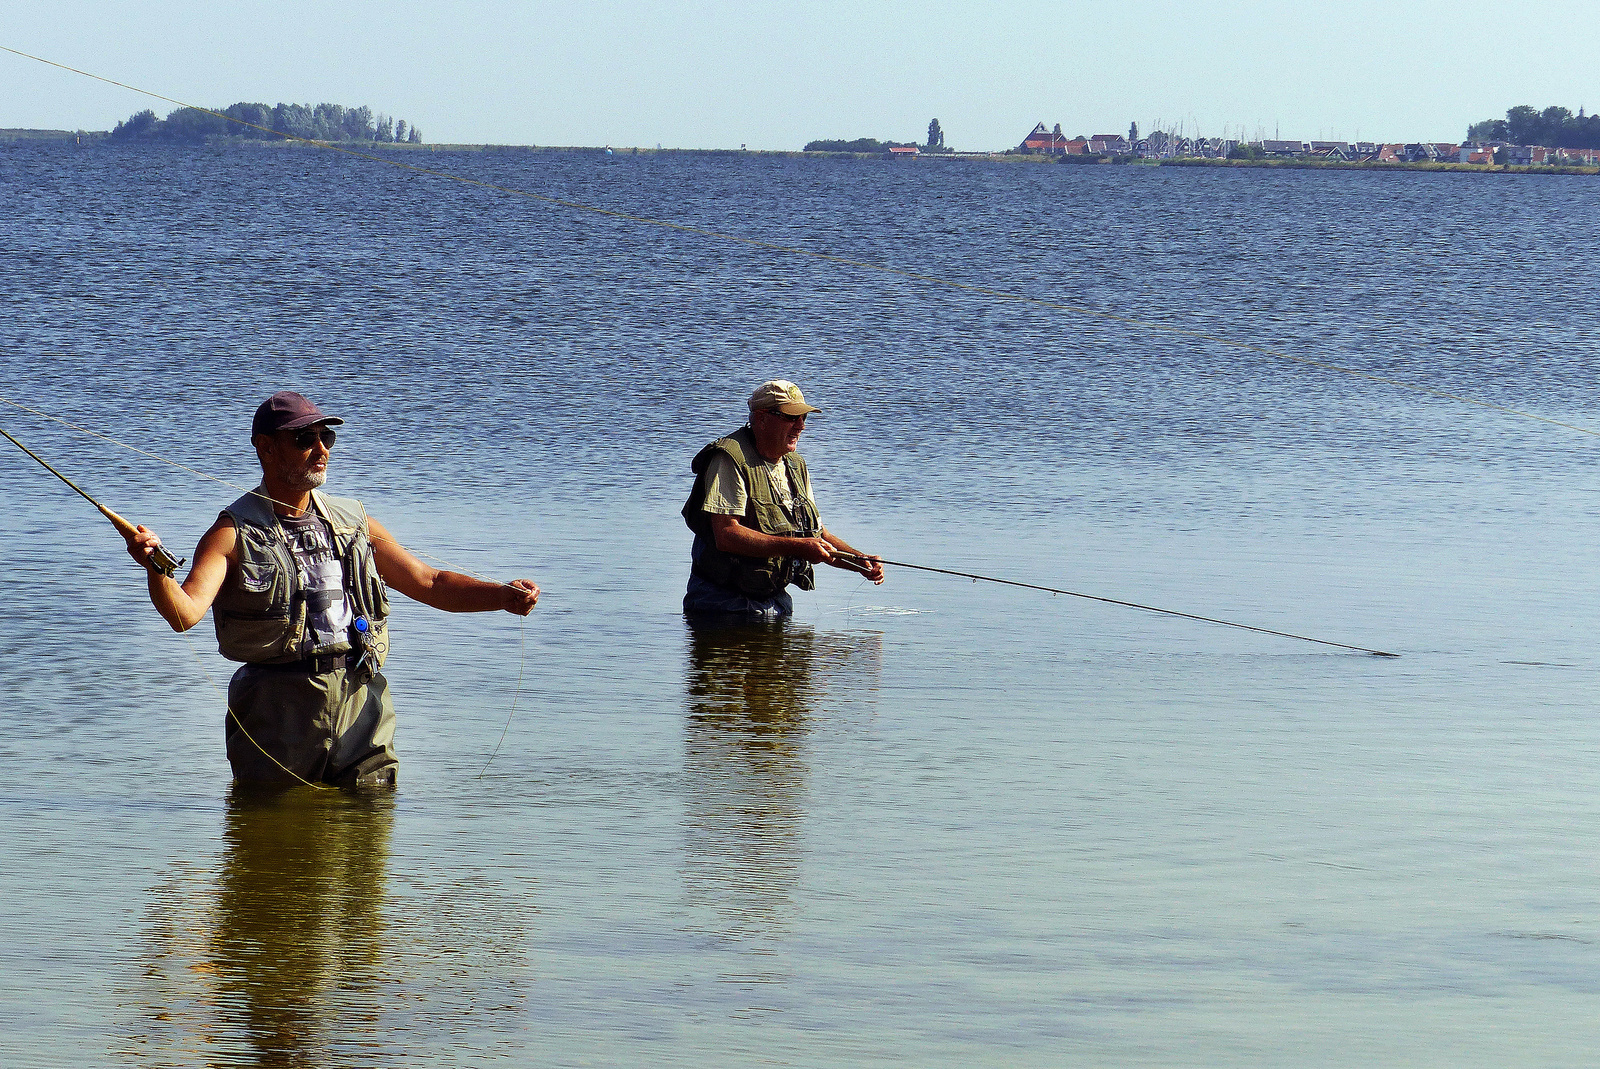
{"x": 936, "y": 822}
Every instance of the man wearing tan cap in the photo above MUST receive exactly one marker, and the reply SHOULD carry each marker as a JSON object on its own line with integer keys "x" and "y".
{"x": 755, "y": 523}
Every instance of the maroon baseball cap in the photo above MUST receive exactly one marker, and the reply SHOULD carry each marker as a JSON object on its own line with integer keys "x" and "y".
{"x": 288, "y": 411}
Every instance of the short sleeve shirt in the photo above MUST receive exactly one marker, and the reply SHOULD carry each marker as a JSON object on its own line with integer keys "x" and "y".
{"x": 726, "y": 494}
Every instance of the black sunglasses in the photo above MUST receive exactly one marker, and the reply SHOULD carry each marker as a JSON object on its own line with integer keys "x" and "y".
{"x": 786, "y": 416}
{"x": 309, "y": 437}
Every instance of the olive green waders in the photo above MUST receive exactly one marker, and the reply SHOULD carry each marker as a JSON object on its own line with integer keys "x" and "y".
{"x": 323, "y": 727}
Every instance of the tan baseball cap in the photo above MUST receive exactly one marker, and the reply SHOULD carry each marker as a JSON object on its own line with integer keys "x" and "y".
{"x": 782, "y": 395}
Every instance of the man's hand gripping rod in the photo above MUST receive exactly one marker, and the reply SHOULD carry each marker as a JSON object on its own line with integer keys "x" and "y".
{"x": 159, "y": 561}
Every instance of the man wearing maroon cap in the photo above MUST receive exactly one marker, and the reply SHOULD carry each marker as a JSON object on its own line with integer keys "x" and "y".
{"x": 296, "y": 583}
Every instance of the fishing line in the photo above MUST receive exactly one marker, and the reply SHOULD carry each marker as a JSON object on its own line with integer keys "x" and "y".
{"x": 851, "y": 558}
{"x": 240, "y": 723}
{"x": 222, "y": 482}
{"x": 159, "y": 558}
{"x": 841, "y": 261}
{"x": 523, "y": 633}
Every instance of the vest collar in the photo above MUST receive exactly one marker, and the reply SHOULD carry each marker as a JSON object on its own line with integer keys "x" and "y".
{"x": 256, "y": 507}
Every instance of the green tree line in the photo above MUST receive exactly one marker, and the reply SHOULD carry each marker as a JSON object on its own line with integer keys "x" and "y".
{"x": 315, "y": 122}
{"x": 1554, "y": 127}
{"x": 860, "y": 144}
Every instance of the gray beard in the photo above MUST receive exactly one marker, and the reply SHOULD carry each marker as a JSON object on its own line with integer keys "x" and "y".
{"x": 309, "y": 480}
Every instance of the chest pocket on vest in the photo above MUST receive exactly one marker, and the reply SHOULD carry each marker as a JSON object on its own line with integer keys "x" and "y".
{"x": 258, "y": 578}
{"x": 263, "y": 590}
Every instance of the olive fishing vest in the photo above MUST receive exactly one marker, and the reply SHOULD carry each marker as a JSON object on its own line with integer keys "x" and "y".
{"x": 260, "y": 612}
{"x": 755, "y": 577}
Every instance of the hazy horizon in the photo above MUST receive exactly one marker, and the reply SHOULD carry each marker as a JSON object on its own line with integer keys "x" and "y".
{"x": 722, "y": 75}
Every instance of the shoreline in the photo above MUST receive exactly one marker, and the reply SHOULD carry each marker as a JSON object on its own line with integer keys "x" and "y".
{"x": 99, "y": 137}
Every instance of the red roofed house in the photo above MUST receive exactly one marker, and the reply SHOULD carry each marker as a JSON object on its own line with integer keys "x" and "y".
{"x": 1041, "y": 140}
{"x": 904, "y": 150}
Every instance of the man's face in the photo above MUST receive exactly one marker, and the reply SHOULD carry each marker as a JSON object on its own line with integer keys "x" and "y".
{"x": 776, "y": 433}
{"x": 298, "y": 459}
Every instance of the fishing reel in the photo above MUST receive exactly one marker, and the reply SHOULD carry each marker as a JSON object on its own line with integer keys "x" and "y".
{"x": 164, "y": 562}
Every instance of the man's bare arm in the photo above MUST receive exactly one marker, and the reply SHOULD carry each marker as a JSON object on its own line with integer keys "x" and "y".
{"x": 184, "y": 605}
{"x": 450, "y": 591}
{"x": 733, "y": 536}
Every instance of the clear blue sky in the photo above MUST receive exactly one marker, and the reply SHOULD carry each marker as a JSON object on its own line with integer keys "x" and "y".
{"x": 715, "y": 73}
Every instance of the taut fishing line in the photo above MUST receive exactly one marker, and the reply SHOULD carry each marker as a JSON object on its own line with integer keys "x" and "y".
{"x": 841, "y": 261}
{"x": 854, "y": 559}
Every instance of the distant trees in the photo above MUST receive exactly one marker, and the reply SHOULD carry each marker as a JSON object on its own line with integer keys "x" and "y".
{"x": 320, "y": 122}
{"x": 1133, "y": 133}
{"x": 138, "y": 125}
{"x": 860, "y": 144}
{"x": 1489, "y": 130}
{"x": 935, "y": 138}
{"x": 1554, "y": 127}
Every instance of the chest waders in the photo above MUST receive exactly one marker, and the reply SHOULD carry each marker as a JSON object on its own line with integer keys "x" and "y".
{"x": 755, "y": 577}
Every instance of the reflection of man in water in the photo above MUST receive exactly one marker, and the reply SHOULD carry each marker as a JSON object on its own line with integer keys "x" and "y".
{"x": 753, "y": 691}
{"x": 755, "y": 522}
{"x": 750, "y": 695}
{"x": 296, "y": 950}
{"x": 300, "y": 917}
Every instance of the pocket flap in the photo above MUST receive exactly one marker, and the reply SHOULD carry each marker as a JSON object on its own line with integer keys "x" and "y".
{"x": 258, "y": 577}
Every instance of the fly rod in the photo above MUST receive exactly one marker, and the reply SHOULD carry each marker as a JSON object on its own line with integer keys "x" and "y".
{"x": 159, "y": 561}
{"x": 857, "y": 562}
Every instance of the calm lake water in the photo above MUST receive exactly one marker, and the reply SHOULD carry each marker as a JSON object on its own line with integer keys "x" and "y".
{"x": 932, "y": 823}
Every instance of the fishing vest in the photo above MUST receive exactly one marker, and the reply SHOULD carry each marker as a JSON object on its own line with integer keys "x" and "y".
{"x": 755, "y": 577}
{"x": 260, "y": 613}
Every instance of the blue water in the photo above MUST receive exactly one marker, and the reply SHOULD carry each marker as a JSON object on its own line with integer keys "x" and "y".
{"x": 932, "y": 823}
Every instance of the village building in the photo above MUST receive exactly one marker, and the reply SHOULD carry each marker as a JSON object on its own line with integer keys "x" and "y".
{"x": 1166, "y": 144}
{"x": 1285, "y": 148}
{"x": 1041, "y": 140}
